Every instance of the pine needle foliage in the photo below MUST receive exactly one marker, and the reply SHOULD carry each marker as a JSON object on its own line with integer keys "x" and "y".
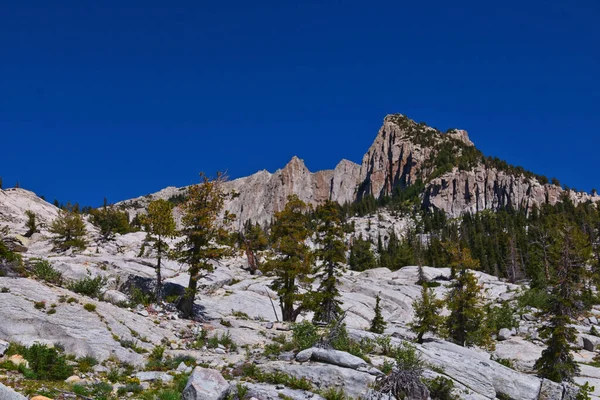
{"x": 292, "y": 262}
{"x": 204, "y": 226}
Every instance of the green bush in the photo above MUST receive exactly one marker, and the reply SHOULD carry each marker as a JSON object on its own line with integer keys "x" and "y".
{"x": 46, "y": 363}
{"x": 408, "y": 359}
{"x": 89, "y": 307}
{"x": 440, "y": 388}
{"x": 501, "y": 317}
{"x": 88, "y": 286}
{"x": 85, "y": 364}
{"x": 334, "y": 394}
{"x": 44, "y": 271}
{"x": 305, "y": 335}
{"x": 536, "y": 298}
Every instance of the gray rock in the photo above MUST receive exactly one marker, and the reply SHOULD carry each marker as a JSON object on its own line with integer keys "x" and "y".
{"x": 590, "y": 343}
{"x": 151, "y": 376}
{"x": 184, "y": 368}
{"x": 115, "y": 297}
{"x": 143, "y": 313}
{"x": 270, "y": 325}
{"x": 304, "y": 355}
{"x": 7, "y": 393}
{"x": 504, "y": 334}
{"x": 205, "y": 384}
{"x": 3, "y": 347}
{"x": 550, "y": 390}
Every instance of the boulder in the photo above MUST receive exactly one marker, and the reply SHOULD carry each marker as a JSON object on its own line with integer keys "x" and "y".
{"x": 7, "y": 393}
{"x": 330, "y": 356}
{"x": 504, "y": 334}
{"x": 550, "y": 390}
{"x": 590, "y": 342}
{"x": 205, "y": 384}
{"x": 115, "y": 297}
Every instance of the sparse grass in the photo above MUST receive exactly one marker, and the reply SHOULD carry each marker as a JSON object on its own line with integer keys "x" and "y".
{"x": 89, "y": 307}
{"x": 39, "y": 305}
{"x": 334, "y": 394}
{"x": 130, "y": 344}
{"x": 240, "y": 314}
{"x": 86, "y": 364}
{"x": 251, "y": 371}
{"x": 213, "y": 342}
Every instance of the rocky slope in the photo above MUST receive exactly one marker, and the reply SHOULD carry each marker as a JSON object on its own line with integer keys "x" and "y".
{"x": 402, "y": 154}
{"x": 235, "y": 303}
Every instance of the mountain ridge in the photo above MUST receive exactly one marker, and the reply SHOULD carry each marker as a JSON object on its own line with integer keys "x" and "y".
{"x": 456, "y": 177}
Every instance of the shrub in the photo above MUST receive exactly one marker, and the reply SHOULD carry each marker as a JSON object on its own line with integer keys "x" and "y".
{"x": 89, "y": 307}
{"x": 85, "y": 364}
{"x": 43, "y": 270}
{"x": 39, "y": 305}
{"x": 408, "y": 359}
{"x": 47, "y": 363}
{"x": 440, "y": 388}
{"x": 305, "y": 335}
{"x": 501, "y": 317}
{"x": 169, "y": 394}
{"x": 536, "y": 298}
{"x": 334, "y": 394}
{"x": 88, "y": 286}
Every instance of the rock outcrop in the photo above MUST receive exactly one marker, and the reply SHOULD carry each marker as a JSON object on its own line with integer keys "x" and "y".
{"x": 402, "y": 154}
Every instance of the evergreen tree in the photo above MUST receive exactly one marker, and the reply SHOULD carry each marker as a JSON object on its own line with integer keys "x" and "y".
{"x": 361, "y": 256}
{"x": 160, "y": 226}
{"x": 332, "y": 254}
{"x": 378, "y": 324}
{"x": 69, "y": 230}
{"x": 293, "y": 260}
{"x": 31, "y": 223}
{"x": 202, "y": 229}
{"x": 428, "y": 316}
{"x": 466, "y": 323}
{"x": 571, "y": 252}
{"x": 110, "y": 221}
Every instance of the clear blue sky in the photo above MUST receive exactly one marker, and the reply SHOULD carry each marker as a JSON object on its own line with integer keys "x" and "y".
{"x": 123, "y": 98}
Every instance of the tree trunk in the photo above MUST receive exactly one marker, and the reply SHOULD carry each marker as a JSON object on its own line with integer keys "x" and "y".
{"x": 158, "y": 276}
{"x": 186, "y": 304}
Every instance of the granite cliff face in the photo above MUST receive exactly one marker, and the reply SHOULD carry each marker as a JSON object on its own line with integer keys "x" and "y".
{"x": 456, "y": 177}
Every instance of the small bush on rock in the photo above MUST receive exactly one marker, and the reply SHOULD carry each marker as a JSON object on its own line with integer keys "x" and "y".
{"x": 44, "y": 271}
{"x": 305, "y": 335}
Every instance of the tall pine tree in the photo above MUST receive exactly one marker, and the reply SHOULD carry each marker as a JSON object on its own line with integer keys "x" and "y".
{"x": 331, "y": 251}
{"x": 292, "y": 262}
{"x": 203, "y": 228}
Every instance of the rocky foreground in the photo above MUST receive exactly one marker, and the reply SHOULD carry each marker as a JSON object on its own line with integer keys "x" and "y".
{"x": 237, "y": 347}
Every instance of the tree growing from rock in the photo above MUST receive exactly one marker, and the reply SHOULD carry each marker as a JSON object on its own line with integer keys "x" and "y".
{"x": 292, "y": 263}
{"x": 203, "y": 227}
{"x": 110, "y": 221}
{"x": 570, "y": 253}
{"x": 160, "y": 226}
{"x": 31, "y": 223}
{"x": 428, "y": 316}
{"x": 466, "y": 323}
{"x": 378, "y": 324}
{"x": 331, "y": 251}
{"x": 69, "y": 230}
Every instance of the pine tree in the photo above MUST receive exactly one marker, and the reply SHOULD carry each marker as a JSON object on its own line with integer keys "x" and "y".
{"x": 428, "y": 316}
{"x": 361, "y": 256}
{"x": 70, "y": 231}
{"x": 202, "y": 229}
{"x": 466, "y": 323}
{"x": 571, "y": 252}
{"x": 31, "y": 223}
{"x": 332, "y": 254}
{"x": 293, "y": 260}
{"x": 378, "y": 324}
{"x": 110, "y": 221}
{"x": 160, "y": 225}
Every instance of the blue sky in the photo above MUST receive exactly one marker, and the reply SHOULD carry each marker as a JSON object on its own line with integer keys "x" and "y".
{"x": 118, "y": 99}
